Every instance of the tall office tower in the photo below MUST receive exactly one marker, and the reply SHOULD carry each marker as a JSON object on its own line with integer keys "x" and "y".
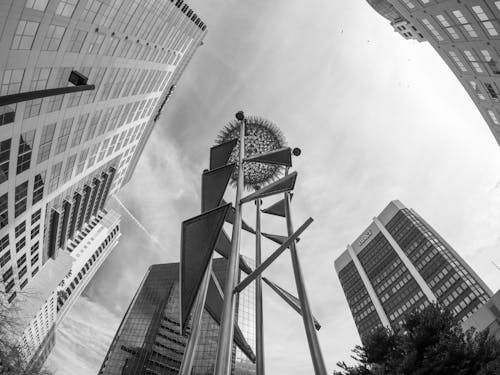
{"x": 48, "y": 303}
{"x": 467, "y": 37}
{"x": 399, "y": 264}
{"x": 148, "y": 340}
{"x": 61, "y": 156}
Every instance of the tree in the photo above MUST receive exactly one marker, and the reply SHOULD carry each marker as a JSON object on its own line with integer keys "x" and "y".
{"x": 429, "y": 342}
{"x": 12, "y": 361}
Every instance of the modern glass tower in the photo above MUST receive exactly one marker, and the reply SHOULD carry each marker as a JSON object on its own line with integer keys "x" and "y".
{"x": 400, "y": 263}
{"x": 465, "y": 34}
{"x": 62, "y": 156}
{"x": 148, "y": 340}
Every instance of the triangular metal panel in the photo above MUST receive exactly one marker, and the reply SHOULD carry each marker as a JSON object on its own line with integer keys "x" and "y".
{"x": 281, "y": 156}
{"x": 223, "y": 247}
{"x": 219, "y": 155}
{"x": 289, "y": 298}
{"x": 198, "y": 238}
{"x": 277, "y": 209}
{"x": 213, "y": 306}
{"x": 275, "y": 238}
{"x": 284, "y": 184}
{"x": 213, "y": 186}
{"x": 230, "y": 219}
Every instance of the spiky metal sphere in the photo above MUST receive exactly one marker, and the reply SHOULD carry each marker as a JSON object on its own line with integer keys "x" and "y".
{"x": 261, "y": 136}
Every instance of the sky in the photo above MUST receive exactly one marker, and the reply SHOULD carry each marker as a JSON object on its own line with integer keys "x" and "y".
{"x": 377, "y": 118}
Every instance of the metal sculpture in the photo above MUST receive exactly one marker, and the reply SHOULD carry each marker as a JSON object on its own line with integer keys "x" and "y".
{"x": 251, "y": 154}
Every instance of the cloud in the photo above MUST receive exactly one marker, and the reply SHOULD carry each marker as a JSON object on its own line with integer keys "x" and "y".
{"x": 83, "y": 338}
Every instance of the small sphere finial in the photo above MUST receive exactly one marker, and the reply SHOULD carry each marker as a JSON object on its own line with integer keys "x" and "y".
{"x": 296, "y": 151}
{"x": 240, "y": 115}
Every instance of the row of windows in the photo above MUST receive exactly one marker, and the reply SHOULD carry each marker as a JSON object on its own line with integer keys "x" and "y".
{"x": 458, "y": 23}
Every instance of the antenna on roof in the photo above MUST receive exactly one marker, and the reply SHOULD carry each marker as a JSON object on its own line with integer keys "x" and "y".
{"x": 496, "y": 265}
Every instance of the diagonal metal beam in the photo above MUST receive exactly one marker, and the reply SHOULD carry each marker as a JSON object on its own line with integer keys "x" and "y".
{"x": 272, "y": 257}
{"x": 289, "y": 298}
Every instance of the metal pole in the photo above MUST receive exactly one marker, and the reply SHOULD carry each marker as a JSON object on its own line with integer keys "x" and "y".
{"x": 312, "y": 339}
{"x": 259, "y": 318}
{"x": 189, "y": 353}
{"x": 224, "y": 349}
{"x": 31, "y": 95}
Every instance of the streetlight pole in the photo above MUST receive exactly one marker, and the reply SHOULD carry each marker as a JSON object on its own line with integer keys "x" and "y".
{"x": 226, "y": 332}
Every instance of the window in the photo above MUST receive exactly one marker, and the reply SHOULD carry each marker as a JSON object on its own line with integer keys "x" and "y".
{"x": 93, "y": 155}
{"x": 20, "y": 244}
{"x": 490, "y": 28}
{"x": 54, "y": 176}
{"x": 7, "y": 114}
{"x": 25, "y": 35}
{"x": 34, "y": 260}
{"x": 112, "y": 145}
{"x": 80, "y": 128}
{"x": 38, "y": 187}
{"x": 4, "y": 160}
{"x": 32, "y": 108}
{"x": 53, "y": 38}
{"x": 77, "y": 40}
{"x": 22, "y": 272}
{"x": 12, "y": 296}
{"x": 35, "y": 231}
{"x": 95, "y": 44}
{"x": 81, "y": 161}
{"x": 68, "y": 170}
{"x": 492, "y": 91}
{"x": 493, "y": 117}
{"x": 447, "y": 26}
{"x": 473, "y": 61}
{"x": 21, "y": 198}
{"x": 37, "y": 4}
{"x": 457, "y": 61}
{"x": 7, "y": 275}
{"x": 62, "y": 140}
{"x": 432, "y": 29}
{"x": 93, "y": 125}
{"x": 103, "y": 150}
{"x": 36, "y": 216}
{"x": 21, "y": 260}
{"x": 465, "y": 24}
{"x": 46, "y": 142}
{"x": 4, "y": 242}
{"x": 40, "y": 78}
{"x": 91, "y": 9}
{"x": 54, "y": 103}
{"x": 11, "y": 82}
{"x": 24, "y": 154}
{"x": 35, "y": 247}
{"x": 20, "y": 229}
{"x": 34, "y": 272}
{"x": 4, "y": 259}
{"x": 65, "y": 8}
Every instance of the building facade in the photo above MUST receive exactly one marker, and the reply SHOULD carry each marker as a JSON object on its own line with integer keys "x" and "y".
{"x": 62, "y": 156}
{"x": 149, "y": 341}
{"x": 399, "y": 264}
{"x": 466, "y": 34}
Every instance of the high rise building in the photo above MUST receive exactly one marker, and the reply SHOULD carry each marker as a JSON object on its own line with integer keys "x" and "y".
{"x": 149, "y": 341}
{"x": 62, "y": 156}
{"x": 400, "y": 263}
{"x": 466, "y": 34}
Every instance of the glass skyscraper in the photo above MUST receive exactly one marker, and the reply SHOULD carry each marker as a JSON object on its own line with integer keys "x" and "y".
{"x": 63, "y": 156}
{"x": 148, "y": 340}
{"x": 399, "y": 264}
